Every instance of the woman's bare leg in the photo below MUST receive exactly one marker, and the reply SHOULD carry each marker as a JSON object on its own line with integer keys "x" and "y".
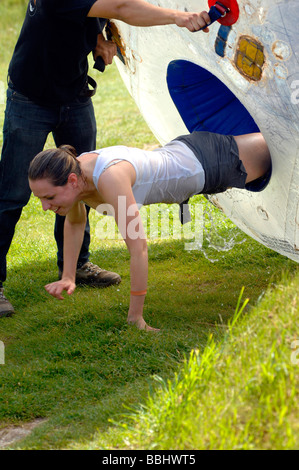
{"x": 255, "y": 155}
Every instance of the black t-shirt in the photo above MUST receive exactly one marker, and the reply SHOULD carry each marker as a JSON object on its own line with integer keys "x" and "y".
{"x": 49, "y": 63}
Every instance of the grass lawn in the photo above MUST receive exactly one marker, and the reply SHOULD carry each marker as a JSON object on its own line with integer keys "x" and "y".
{"x": 201, "y": 382}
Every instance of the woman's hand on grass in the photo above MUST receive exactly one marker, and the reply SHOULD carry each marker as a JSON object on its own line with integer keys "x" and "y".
{"x": 56, "y": 288}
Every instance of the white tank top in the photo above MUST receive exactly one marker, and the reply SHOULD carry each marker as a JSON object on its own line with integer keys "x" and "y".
{"x": 170, "y": 174}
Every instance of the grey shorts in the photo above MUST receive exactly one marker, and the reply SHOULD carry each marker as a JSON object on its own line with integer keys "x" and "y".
{"x": 219, "y": 156}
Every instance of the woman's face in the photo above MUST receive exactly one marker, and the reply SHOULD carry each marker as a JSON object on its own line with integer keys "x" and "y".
{"x": 59, "y": 199}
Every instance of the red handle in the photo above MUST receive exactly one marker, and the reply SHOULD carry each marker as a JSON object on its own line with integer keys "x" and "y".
{"x": 232, "y": 16}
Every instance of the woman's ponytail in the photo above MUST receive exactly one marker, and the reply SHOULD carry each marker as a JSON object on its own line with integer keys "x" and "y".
{"x": 55, "y": 165}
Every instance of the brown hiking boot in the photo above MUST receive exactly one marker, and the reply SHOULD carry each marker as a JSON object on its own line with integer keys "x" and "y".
{"x": 6, "y": 309}
{"x": 90, "y": 274}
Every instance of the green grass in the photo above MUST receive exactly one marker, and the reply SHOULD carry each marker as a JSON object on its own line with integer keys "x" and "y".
{"x": 77, "y": 363}
{"x": 204, "y": 381}
{"x": 239, "y": 394}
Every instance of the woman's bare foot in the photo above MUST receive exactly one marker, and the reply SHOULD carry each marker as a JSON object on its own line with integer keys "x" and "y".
{"x": 141, "y": 324}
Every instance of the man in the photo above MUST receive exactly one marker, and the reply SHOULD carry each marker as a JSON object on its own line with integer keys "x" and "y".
{"x": 48, "y": 92}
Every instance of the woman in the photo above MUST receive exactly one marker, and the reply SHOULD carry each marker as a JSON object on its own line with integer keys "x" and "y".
{"x": 126, "y": 178}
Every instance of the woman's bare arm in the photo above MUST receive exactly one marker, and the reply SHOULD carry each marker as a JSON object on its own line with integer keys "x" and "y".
{"x": 115, "y": 187}
{"x": 74, "y": 227}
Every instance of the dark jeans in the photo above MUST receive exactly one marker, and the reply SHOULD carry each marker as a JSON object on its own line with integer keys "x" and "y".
{"x": 26, "y": 128}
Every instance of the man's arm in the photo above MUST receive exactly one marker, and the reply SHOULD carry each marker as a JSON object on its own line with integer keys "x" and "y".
{"x": 142, "y": 13}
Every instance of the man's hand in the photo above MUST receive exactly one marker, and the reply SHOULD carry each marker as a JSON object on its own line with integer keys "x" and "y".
{"x": 193, "y": 21}
{"x": 105, "y": 49}
{"x": 56, "y": 288}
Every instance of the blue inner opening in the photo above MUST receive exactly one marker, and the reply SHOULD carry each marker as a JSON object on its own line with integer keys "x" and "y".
{"x": 205, "y": 103}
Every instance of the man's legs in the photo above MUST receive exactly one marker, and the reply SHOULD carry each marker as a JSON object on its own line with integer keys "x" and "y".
{"x": 77, "y": 127}
{"x": 23, "y": 139}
